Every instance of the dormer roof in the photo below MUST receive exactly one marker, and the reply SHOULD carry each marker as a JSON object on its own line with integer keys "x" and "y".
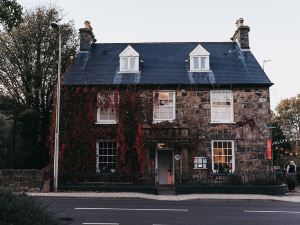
{"x": 129, "y": 51}
{"x": 199, "y": 50}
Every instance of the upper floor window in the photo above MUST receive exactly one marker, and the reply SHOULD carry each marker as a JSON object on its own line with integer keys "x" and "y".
{"x": 164, "y": 106}
{"x": 221, "y": 106}
{"x": 129, "y": 60}
{"x": 106, "y": 111}
{"x": 199, "y": 59}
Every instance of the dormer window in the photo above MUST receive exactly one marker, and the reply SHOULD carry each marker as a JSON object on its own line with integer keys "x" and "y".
{"x": 129, "y": 60}
{"x": 199, "y": 60}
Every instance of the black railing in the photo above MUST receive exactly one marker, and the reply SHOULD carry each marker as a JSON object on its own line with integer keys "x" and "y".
{"x": 100, "y": 179}
{"x": 204, "y": 177}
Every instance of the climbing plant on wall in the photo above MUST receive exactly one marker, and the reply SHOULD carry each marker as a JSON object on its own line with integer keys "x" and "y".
{"x": 79, "y": 132}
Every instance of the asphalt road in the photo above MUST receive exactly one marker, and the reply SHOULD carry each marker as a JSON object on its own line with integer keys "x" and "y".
{"x": 150, "y": 212}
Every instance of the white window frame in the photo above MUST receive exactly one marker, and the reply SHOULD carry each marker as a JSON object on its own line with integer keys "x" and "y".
{"x": 107, "y": 155}
{"x": 212, "y": 110}
{"x": 155, "y": 120}
{"x": 198, "y": 53}
{"x": 102, "y": 121}
{"x": 129, "y": 69}
{"x": 233, "y": 155}
{"x": 204, "y": 164}
{"x": 129, "y": 55}
{"x": 202, "y": 68}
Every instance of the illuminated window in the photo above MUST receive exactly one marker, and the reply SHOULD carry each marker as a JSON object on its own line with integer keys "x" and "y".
{"x": 164, "y": 106}
{"x": 223, "y": 156}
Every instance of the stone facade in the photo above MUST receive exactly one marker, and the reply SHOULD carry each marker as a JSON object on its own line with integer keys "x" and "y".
{"x": 191, "y": 133}
{"x": 193, "y": 123}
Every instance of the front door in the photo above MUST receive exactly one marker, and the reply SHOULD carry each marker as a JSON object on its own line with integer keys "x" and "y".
{"x": 165, "y": 166}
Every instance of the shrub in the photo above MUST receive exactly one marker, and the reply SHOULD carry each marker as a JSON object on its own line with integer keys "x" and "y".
{"x": 19, "y": 209}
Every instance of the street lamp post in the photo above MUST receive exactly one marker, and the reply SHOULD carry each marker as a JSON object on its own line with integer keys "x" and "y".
{"x": 56, "y": 140}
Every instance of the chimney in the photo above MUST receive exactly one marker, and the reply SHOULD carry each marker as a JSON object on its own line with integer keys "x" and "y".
{"x": 241, "y": 34}
{"x": 86, "y": 36}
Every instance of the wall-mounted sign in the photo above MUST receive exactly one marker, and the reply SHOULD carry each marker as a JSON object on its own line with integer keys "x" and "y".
{"x": 177, "y": 157}
{"x": 269, "y": 149}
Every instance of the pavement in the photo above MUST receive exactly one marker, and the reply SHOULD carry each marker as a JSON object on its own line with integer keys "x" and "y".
{"x": 289, "y": 197}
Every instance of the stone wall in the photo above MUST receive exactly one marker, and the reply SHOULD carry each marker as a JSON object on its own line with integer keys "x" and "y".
{"x": 249, "y": 130}
{"x": 22, "y": 180}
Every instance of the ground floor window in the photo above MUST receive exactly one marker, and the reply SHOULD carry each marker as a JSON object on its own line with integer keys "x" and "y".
{"x": 106, "y": 156}
{"x": 223, "y": 156}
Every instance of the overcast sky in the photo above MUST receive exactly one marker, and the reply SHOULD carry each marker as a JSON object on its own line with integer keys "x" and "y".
{"x": 274, "y": 24}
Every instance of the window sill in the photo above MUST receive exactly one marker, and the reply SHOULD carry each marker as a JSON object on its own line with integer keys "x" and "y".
{"x": 106, "y": 122}
{"x": 160, "y": 121}
{"x": 133, "y": 71}
{"x": 199, "y": 71}
{"x": 222, "y": 122}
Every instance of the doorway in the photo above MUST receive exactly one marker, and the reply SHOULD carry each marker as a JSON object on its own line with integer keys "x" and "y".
{"x": 165, "y": 166}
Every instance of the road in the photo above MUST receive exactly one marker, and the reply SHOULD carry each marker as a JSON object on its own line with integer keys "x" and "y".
{"x": 150, "y": 212}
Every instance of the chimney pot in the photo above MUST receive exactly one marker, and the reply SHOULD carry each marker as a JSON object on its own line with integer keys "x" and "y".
{"x": 241, "y": 35}
{"x": 240, "y": 22}
{"x": 86, "y": 36}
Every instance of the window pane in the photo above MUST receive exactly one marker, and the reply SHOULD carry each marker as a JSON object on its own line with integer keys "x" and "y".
{"x": 125, "y": 63}
{"x": 107, "y": 158}
{"x": 221, "y": 106}
{"x": 132, "y": 63}
{"x": 222, "y": 155}
{"x": 196, "y": 62}
{"x": 164, "y": 109}
{"x": 203, "y": 61}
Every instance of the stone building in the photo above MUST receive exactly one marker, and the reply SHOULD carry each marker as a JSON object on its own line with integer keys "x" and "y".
{"x": 207, "y": 103}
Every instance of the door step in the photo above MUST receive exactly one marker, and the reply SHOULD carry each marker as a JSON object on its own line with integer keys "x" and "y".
{"x": 166, "y": 190}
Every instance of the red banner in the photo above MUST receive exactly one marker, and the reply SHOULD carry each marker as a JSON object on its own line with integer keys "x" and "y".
{"x": 269, "y": 149}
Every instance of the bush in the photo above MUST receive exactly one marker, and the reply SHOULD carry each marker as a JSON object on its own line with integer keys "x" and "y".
{"x": 23, "y": 210}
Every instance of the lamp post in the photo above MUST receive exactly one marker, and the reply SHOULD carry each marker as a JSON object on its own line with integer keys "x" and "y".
{"x": 56, "y": 27}
{"x": 265, "y": 61}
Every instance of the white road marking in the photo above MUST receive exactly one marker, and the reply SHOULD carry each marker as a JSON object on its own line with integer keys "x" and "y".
{"x": 269, "y": 211}
{"x": 103, "y": 223}
{"x": 129, "y": 209}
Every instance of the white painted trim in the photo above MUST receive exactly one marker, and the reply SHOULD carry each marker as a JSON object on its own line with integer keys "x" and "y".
{"x": 132, "y": 209}
{"x": 106, "y": 122}
{"x": 134, "y": 70}
{"x": 97, "y": 152}
{"x": 232, "y": 109}
{"x": 174, "y": 107}
{"x": 212, "y": 154}
{"x": 129, "y": 51}
{"x": 199, "y": 51}
{"x": 223, "y": 122}
{"x": 203, "y": 71}
{"x": 129, "y": 71}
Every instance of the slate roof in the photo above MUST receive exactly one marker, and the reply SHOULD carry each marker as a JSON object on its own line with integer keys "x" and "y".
{"x": 166, "y": 63}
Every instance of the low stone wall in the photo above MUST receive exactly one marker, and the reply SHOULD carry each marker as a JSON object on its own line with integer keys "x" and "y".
{"x": 22, "y": 180}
